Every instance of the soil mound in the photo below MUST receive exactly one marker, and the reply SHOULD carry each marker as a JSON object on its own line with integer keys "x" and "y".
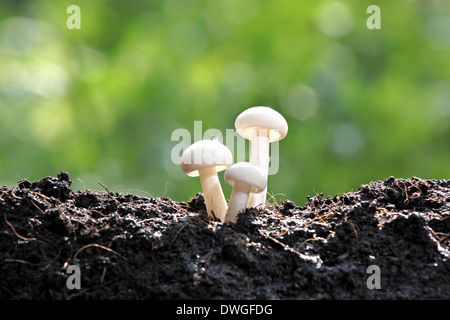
{"x": 388, "y": 240}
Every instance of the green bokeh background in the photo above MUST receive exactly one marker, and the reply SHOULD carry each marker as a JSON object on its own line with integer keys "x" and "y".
{"x": 102, "y": 102}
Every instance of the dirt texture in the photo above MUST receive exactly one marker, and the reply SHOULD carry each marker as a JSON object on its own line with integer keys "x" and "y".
{"x": 132, "y": 247}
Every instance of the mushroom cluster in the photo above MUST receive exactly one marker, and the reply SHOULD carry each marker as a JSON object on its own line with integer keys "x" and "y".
{"x": 205, "y": 158}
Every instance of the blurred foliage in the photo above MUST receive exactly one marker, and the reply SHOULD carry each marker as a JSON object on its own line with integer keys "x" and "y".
{"x": 102, "y": 102}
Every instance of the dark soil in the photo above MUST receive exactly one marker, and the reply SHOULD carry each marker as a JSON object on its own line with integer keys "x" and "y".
{"x": 131, "y": 247}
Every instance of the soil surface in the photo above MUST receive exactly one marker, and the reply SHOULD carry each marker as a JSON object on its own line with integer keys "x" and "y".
{"x": 131, "y": 247}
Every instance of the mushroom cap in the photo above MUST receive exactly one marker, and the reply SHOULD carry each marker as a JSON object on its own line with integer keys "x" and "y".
{"x": 246, "y": 173}
{"x": 261, "y": 118}
{"x": 205, "y": 154}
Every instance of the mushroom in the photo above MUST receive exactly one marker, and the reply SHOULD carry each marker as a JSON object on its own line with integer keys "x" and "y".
{"x": 260, "y": 125}
{"x": 245, "y": 179}
{"x": 204, "y": 159}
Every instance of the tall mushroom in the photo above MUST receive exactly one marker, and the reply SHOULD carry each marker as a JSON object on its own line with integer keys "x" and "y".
{"x": 261, "y": 125}
{"x": 245, "y": 179}
{"x": 204, "y": 159}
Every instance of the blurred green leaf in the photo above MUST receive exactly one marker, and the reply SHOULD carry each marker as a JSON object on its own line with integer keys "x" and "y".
{"x": 102, "y": 102}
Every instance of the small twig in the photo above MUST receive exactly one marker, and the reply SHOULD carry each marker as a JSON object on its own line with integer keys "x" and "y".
{"x": 103, "y": 275}
{"x": 178, "y": 232}
{"x": 14, "y": 173}
{"x": 160, "y": 199}
{"x": 272, "y": 196}
{"x": 84, "y": 186}
{"x": 99, "y": 212}
{"x": 282, "y": 233}
{"x": 309, "y": 239}
{"x": 15, "y": 232}
{"x": 287, "y": 248}
{"x": 46, "y": 199}
{"x": 165, "y": 189}
{"x": 37, "y": 207}
{"x": 101, "y": 229}
{"x": 98, "y": 246}
{"x": 107, "y": 190}
{"x": 405, "y": 190}
{"x": 356, "y": 234}
{"x": 23, "y": 261}
{"x": 111, "y": 194}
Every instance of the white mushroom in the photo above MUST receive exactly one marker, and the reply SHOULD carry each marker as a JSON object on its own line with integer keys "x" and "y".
{"x": 260, "y": 125}
{"x": 245, "y": 179}
{"x": 204, "y": 159}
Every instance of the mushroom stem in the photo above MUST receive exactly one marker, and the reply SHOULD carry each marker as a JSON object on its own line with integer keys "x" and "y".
{"x": 212, "y": 193}
{"x": 259, "y": 156}
{"x": 238, "y": 201}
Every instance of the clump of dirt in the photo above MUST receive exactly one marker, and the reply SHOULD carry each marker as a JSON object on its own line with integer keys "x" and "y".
{"x": 131, "y": 247}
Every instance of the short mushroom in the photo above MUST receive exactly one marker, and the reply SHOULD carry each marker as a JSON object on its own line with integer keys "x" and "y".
{"x": 261, "y": 125}
{"x": 245, "y": 179}
{"x": 204, "y": 159}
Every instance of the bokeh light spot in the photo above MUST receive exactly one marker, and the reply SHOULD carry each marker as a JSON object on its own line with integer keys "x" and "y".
{"x": 300, "y": 102}
{"x": 335, "y": 20}
{"x": 440, "y": 98}
{"x": 346, "y": 139}
{"x": 238, "y": 76}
